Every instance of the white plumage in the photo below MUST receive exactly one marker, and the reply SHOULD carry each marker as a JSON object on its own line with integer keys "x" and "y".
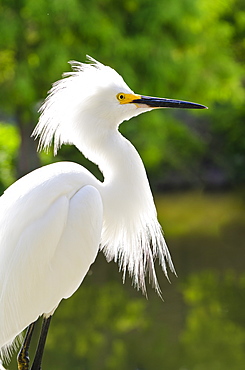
{"x": 54, "y": 220}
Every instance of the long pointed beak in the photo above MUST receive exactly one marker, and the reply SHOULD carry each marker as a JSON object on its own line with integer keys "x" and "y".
{"x": 151, "y": 102}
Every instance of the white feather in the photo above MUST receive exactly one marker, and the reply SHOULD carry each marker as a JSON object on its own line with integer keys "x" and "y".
{"x": 53, "y": 220}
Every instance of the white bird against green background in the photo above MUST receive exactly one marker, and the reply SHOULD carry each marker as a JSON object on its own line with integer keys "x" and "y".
{"x": 54, "y": 220}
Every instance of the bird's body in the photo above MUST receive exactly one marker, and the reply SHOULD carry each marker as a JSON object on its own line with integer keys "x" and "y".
{"x": 43, "y": 239}
{"x": 54, "y": 220}
{"x": 59, "y": 238}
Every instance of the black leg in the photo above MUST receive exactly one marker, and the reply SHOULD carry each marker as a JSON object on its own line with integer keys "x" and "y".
{"x": 23, "y": 359}
{"x": 40, "y": 347}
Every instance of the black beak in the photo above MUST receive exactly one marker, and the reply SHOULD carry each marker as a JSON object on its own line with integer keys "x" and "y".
{"x": 151, "y": 102}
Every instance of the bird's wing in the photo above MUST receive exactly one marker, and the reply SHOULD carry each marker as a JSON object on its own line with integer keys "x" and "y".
{"x": 52, "y": 253}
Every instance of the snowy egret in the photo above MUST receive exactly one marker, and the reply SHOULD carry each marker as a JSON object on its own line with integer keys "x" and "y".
{"x": 54, "y": 220}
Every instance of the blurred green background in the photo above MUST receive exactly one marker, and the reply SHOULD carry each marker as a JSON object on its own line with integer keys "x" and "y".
{"x": 183, "y": 49}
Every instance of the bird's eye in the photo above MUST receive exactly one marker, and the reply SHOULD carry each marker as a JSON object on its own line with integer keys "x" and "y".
{"x": 121, "y": 97}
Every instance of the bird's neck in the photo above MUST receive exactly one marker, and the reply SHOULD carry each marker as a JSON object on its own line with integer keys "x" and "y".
{"x": 125, "y": 180}
{"x": 116, "y": 157}
{"x": 120, "y": 161}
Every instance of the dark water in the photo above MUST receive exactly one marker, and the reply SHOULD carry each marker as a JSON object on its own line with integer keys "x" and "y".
{"x": 200, "y": 325}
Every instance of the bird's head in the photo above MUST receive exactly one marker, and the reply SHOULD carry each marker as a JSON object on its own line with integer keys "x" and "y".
{"x": 89, "y": 101}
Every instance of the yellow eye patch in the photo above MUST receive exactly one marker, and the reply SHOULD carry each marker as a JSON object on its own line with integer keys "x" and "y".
{"x": 127, "y": 98}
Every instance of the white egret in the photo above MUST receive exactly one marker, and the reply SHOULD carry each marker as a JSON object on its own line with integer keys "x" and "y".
{"x": 54, "y": 220}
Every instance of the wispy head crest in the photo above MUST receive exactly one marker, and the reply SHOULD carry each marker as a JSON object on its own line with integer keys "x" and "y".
{"x": 58, "y": 120}
{"x": 48, "y": 128}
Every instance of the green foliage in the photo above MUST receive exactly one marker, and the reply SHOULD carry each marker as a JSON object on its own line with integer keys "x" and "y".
{"x": 9, "y": 142}
{"x": 228, "y": 141}
{"x": 192, "y": 50}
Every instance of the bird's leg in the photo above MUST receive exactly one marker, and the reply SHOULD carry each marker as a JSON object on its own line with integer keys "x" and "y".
{"x": 23, "y": 359}
{"x": 40, "y": 347}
